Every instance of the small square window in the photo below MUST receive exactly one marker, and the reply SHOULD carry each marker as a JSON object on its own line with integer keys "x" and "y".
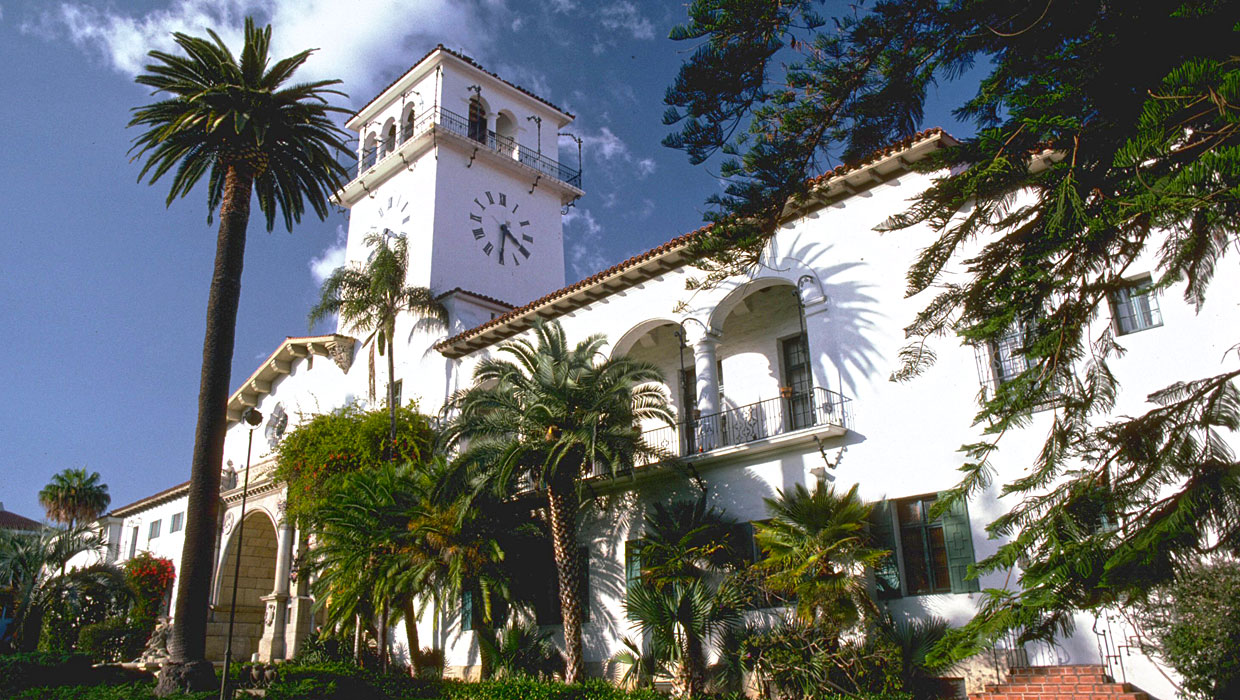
{"x": 1135, "y": 307}
{"x": 177, "y": 522}
{"x": 154, "y": 531}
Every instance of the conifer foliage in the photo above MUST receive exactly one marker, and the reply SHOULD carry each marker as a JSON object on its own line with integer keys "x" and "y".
{"x": 1108, "y": 138}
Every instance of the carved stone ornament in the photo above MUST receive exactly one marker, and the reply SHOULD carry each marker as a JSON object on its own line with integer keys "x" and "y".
{"x": 157, "y": 646}
{"x": 230, "y": 519}
{"x": 341, "y": 350}
{"x": 269, "y": 617}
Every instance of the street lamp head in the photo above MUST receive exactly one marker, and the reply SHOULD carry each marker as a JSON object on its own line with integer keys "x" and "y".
{"x": 252, "y": 416}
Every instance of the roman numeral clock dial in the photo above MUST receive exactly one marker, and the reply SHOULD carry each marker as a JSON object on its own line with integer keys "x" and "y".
{"x": 500, "y": 229}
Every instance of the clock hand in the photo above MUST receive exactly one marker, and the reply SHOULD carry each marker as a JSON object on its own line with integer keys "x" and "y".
{"x": 520, "y": 247}
{"x": 503, "y": 235}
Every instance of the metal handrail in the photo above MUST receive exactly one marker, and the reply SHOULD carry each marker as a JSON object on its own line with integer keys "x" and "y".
{"x": 452, "y": 122}
{"x": 751, "y": 422}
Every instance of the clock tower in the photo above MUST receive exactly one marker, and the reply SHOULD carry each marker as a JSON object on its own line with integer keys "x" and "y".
{"x": 465, "y": 165}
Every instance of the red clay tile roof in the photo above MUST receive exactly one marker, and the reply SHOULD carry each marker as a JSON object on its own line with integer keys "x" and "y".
{"x": 682, "y": 241}
{"x": 475, "y": 64}
{"x": 476, "y": 295}
{"x": 12, "y": 521}
{"x": 153, "y": 499}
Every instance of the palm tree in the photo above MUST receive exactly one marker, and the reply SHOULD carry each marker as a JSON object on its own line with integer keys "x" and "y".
{"x": 682, "y": 620}
{"x": 817, "y": 548}
{"x": 28, "y": 576}
{"x": 361, "y": 553}
{"x": 553, "y": 415}
{"x": 687, "y": 541}
{"x": 73, "y": 496}
{"x": 371, "y": 298}
{"x": 235, "y": 122}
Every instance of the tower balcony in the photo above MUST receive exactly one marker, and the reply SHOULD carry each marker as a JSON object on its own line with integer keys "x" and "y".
{"x": 384, "y": 158}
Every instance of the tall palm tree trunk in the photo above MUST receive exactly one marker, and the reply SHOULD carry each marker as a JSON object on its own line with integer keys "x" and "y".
{"x": 391, "y": 393}
{"x": 383, "y": 636}
{"x": 411, "y": 637}
{"x": 563, "y": 507}
{"x": 187, "y": 667}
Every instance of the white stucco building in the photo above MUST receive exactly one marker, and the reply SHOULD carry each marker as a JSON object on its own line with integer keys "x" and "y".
{"x": 779, "y": 378}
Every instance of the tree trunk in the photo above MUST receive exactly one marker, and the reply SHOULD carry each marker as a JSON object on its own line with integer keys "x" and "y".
{"x": 391, "y": 392}
{"x": 187, "y": 669}
{"x": 691, "y": 674}
{"x": 411, "y": 637}
{"x": 563, "y": 509}
{"x": 357, "y": 639}
{"x": 383, "y": 636}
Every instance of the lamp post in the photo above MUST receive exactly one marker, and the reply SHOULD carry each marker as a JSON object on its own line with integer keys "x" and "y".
{"x": 253, "y": 418}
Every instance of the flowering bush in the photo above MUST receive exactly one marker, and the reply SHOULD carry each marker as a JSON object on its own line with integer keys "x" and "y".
{"x": 316, "y": 453}
{"x": 149, "y": 577}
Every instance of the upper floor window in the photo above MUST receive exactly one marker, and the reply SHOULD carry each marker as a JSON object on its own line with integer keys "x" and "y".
{"x": 798, "y": 380}
{"x": 389, "y": 139}
{"x": 133, "y": 543}
{"x": 154, "y": 530}
{"x": 406, "y": 129}
{"x": 928, "y": 555}
{"x": 477, "y": 121}
{"x": 1135, "y": 307}
{"x": 177, "y": 521}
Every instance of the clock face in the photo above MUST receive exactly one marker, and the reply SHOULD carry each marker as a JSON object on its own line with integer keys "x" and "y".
{"x": 394, "y": 215}
{"x": 500, "y": 229}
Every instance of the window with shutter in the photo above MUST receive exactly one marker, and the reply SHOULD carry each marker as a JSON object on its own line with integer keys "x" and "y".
{"x": 632, "y": 566}
{"x": 959, "y": 539}
{"x": 886, "y": 574}
{"x": 928, "y": 555}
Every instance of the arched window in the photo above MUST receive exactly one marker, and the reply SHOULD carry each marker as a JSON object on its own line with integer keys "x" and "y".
{"x": 406, "y": 128}
{"x": 368, "y": 151}
{"x": 477, "y": 121}
{"x": 389, "y": 138}
{"x": 505, "y": 134}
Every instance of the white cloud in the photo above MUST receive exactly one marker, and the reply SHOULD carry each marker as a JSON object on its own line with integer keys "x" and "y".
{"x": 608, "y": 150}
{"x": 354, "y": 39}
{"x": 624, "y": 16}
{"x": 583, "y": 240}
{"x": 330, "y": 259}
{"x": 562, "y": 5}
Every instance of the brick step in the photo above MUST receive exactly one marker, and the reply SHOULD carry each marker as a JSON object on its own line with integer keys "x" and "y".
{"x": 1059, "y": 695}
{"x": 1067, "y": 670}
{"x": 1077, "y": 687}
{"x": 1079, "y": 682}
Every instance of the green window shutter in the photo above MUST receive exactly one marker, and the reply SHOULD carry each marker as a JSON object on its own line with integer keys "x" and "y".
{"x": 632, "y": 566}
{"x": 467, "y": 611}
{"x": 883, "y": 535}
{"x": 959, "y": 538}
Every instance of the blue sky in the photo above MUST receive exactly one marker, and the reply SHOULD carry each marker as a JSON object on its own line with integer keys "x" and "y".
{"x": 103, "y": 292}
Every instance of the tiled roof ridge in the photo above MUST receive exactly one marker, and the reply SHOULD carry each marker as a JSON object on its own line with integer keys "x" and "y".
{"x": 475, "y": 64}
{"x": 145, "y": 499}
{"x": 16, "y": 521}
{"x": 683, "y": 239}
{"x": 484, "y": 297}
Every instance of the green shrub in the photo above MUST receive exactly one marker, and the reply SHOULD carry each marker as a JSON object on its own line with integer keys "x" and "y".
{"x": 131, "y": 691}
{"x": 115, "y": 640}
{"x": 1196, "y": 622}
{"x": 42, "y": 668}
{"x": 530, "y": 689}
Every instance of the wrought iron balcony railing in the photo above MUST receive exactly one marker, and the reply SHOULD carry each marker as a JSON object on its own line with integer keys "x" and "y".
{"x": 750, "y": 423}
{"x": 454, "y": 123}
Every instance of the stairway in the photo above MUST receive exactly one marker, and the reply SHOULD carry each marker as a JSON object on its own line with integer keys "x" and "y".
{"x": 1060, "y": 683}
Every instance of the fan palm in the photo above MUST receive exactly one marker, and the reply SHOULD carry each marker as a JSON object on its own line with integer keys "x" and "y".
{"x": 371, "y": 298}
{"x": 817, "y": 548}
{"x": 682, "y": 620}
{"x": 687, "y": 540}
{"x": 74, "y": 496}
{"x": 236, "y": 122}
{"x": 553, "y": 414}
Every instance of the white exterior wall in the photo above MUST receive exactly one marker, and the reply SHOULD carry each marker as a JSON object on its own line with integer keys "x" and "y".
{"x": 903, "y": 438}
